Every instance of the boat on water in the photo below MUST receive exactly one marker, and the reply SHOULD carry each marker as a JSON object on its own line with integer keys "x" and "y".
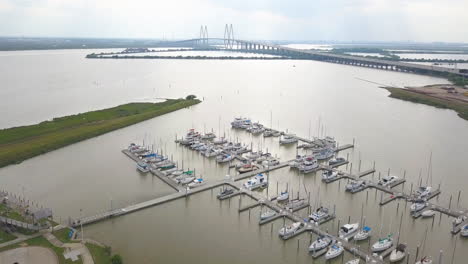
{"x": 256, "y": 182}
{"x": 324, "y": 153}
{"x": 355, "y": 185}
{"x": 284, "y": 196}
{"x": 336, "y": 160}
{"x": 208, "y": 136}
{"x": 294, "y": 204}
{"x": 254, "y": 155}
{"x": 387, "y": 180}
{"x": 186, "y": 180}
{"x": 459, "y": 220}
{"x": 224, "y": 158}
{"x": 382, "y": 244}
{"x": 176, "y": 173}
{"x": 212, "y": 152}
{"x": 334, "y": 251}
{"x": 320, "y": 243}
{"x": 263, "y": 157}
{"x": 247, "y": 168}
{"x": 398, "y": 254}
{"x": 329, "y": 175}
{"x": 289, "y": 229}
{"x": 319, "y": 215}
{"x": 219, "y": 141}
{"x": 296, "y": 162}
{"x": 425, "y": 260}
{"x": 423, "y": 191}
{"x": 225, "y": 192}
{"x": 428, "y": 213}
{"x": 363, "y": 234}
{"x": 418, "y": 205}
{"x": 268, "y": 133}
{"x": 309, "y": 165}
{"x": 270, "y": 162}
{"x": 267, "y": 214}
{"x": 287, "y": 139}
{"x": 347, "y": 230}
{"x": 240, "y": 122}
{"x": 143, "y": 167}
{"x": 464, "y": 231}
{"x": 353, "y": 261}
{"x": 256, "y": 129}
{"x": 195, "y": 183}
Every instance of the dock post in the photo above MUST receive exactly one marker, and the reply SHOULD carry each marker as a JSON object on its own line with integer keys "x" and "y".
{"x": 397, "y": 207}
{"x": 411, "y": 189}
{"x": 381, "y": 198}
{"x": 271, "y": 229}
{"x": 408, "y": 257}
{"x": 388, "y": 174}
{"x": 417, "y": 253}
{"x": 338, "y": 229}
{"x": 453, "y": 254}
{"x": 450, "y": 202}
{"x": 249, "y": 214}
{"x": 284, "y": 222}
{"x": 277, "y": 189}
{"x": 349, "y": 219}
{"x": 347, "y": 159}
{"x": 379, "y": 175}
{"x": 359, "y": 168}
{"x": 367, "y": 196}
{"x": 440, "y": 218}
{"x": 298, "y": 244}
{"x": 240, "y": 201}
{"x": 458, "y": 200}
{"x": 351, "y": 168}
{"x": 433, "y": 219}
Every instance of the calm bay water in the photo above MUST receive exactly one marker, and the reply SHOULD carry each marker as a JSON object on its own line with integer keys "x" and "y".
{"x": 94, "y": 175}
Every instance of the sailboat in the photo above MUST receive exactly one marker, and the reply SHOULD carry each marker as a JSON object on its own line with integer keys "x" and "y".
{"x": 425, "y": 259}
{"x": 382, "y": 244}
{"x": 320, "y": 243}
{"x": 334, "y": 251}
{"x": 424, "y": 191}
{"x": 398, "y": 253}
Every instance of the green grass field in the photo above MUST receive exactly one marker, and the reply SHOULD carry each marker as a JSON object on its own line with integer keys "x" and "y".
{"x": 459, "y": 107}
{"x": 5, "y": 237}
{"x": 99, "y": 254}
{"x": 62, "y": 235}
{"x": 20, "y": 143}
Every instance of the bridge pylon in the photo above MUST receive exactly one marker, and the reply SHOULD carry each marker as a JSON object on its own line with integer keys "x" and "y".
{"x": 229, "y": 37}
{"x": 203, "y": 39}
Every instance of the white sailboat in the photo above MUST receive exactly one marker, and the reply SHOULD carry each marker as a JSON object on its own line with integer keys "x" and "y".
{"x": 347, "y": 230}
{"x": 289, "y": 229}
{"x": 284, "y": 196}
{"x": 334, "y": 251}
{"x": 382, "y": 244}
{"x": 320, "y": 243}
{"x": 267, "y": 214}
{"x": 363, "y": 234}
{"x": 398, "y": 253}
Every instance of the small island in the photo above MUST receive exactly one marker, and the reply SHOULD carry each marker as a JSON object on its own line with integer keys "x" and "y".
{"x": 20, "y": 143}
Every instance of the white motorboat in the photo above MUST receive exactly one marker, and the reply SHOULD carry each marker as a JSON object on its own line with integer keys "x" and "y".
{"x": 320, "y": 243}
{"x": 459, "y": 220}
{"x": 329, "y": 175}
{"x": 324, "y": 153}
{"x": 464, "y": 231}
{"x": 423, "y": 191}
{"x": 287, "y": 139}
{"x": 268, "y": 133}
{"x": 186, "y": 180}
{"x": 355, "y": 185}
{"x": 319, "y": 215}
{"x": 176, "y": 173}
{"x": 209, "y": 135}
{"x": 256, "y": 129}
{"x": 225, "y": 192}
{"x": 294, "y": 204}
{"x": 382, "y": 244}
{"x": 425, "y": 260}
{"x": 309, "y": 165}
{"x": 284, "y": 196}
{"x": 289, "y": 229}
{"x": 195, "y": 183}
{"x": 270, "y": 162}
{"x": 256, "y": 182}
{"x": 254, "y": 155}
{"x": 387, "y": 180}
{"x": 247, "y": 168}
{"x": 143, "y": 167}
{"x": 212, "y": 152}
{"x": 224, "y": 158}
{"x": 428, "y": 213}
{"x": 267, "y": 214}
{"x": 347, "y": 230}
{"x": 240, "y": 122}
{"x": 363, "y": 234}
{"x": 219, "y": 141}
{"x": 296, "y": 162}
{"x": 353, "y": 261}
{"x": 418, "y": 205}
{"x": 334, "y": 251}
{"x": 398, "y": 253}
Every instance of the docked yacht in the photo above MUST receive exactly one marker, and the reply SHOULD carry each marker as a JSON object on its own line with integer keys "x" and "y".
{"x": 320, "y": 243}
{"x": 240, "y": 122}
{"x": 428, "y": 213}
{"x": 268, "y": 133}
{"x": 143, "y": 167}
{"x": 363, "y": 234}
{"x": 195, "y": 183}
{"x": 334, "y": 251}
{"x": 418, "y": 205}
{"x": 309, "y": 165}
{"x": 398, "y": 253}
{"x": 336, "y": 160}
{"x": 224, "y": 158}
{"x": 270, "y": 162}
{"x": 219, "y": 141}
{"x": 208, "y": 136}
{"x": 319, "y": 215}
{"x": 425, "y": 260}
{"x": 329, "y": 175}
{"x": 212, "y": 152}
{"x": 464, "y": 231}
{"x": 296, "y": 162}
{"x": 294, "y": 204}
{"x": 186, "y": 180}
{"x": 423, "y": 191}
{"x": 324, "y": 153}
{"x": 256, "y": 129}
{"x": 459, "y": 220}
{"x": 247, "y": 168}
{"x": 348, "y": 230}
{"x": 355, "y": 185}
{"x": 287, "y": 139}
{"x": 267, "y": 214}
{"x": 256, "y": 182}
{"x": 387, "y": 180}
{"x": 284, "y": 196}
{"x": 290, "y": 229}
{"x": 225, "y": 192}
{"x": 254, "y": 155}
{"x": 382, "y": 244}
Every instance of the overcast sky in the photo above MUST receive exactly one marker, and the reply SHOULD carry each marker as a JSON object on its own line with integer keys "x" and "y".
{"x": 345, "y": 20}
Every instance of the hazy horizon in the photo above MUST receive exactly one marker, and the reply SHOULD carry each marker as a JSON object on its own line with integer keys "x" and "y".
{"x": 338, "y": 20}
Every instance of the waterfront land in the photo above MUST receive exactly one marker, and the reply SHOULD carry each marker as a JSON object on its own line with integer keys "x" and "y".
{"x": 440, "y": 96}
{"x": 20, "y": 143}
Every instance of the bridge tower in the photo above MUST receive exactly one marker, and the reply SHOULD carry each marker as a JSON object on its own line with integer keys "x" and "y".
{"x": 203, "y": 35}
{"x": 229, "y": 37}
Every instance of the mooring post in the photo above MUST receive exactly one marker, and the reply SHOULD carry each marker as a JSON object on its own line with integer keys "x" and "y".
{"x": 450, "y": 202}
{"x": 359, "y": 169}
{"x": 338, "y": 229}
{"x": 411, "y": 189}
{"x": 417, "y": 254}
{"x": 458, "y": 200}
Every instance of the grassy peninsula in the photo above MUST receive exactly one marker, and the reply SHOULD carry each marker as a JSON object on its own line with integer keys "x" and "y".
{"x": 20, "y": 143}
{"x": 404, "y": 94}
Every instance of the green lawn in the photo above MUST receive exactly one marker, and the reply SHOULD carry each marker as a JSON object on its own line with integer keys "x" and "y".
{"x": 20, "y": 143}
{"x": 8, "y": 212}
{"x": 459, "y": 107}
{"x": 5, "y": 237}
{"x": 62, "y": 234}
{"x": 99, "y": 254}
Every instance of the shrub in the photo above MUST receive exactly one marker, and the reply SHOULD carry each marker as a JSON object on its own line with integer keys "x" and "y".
{"x": 116, "y": 259}
{"x": 190, "y": 97}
